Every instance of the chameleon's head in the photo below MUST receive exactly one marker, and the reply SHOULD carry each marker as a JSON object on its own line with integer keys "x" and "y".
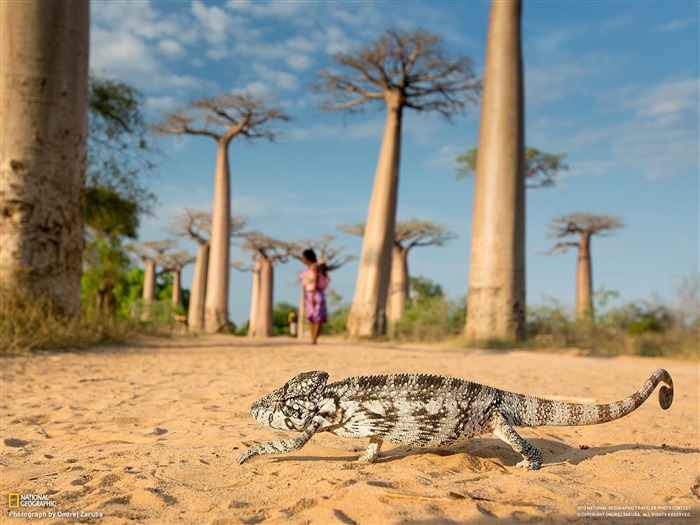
{"x": 294, "y": 405}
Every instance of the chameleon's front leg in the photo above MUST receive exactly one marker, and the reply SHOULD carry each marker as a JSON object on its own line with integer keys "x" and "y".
{"x": 285, "y": 445}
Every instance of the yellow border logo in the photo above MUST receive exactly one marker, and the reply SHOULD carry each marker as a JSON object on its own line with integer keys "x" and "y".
{"x": 13, "y": 501}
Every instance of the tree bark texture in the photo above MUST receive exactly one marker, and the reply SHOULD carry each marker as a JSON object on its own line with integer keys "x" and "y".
{"x": 584, "y": 280}
{"x": 496, "y": 297}
{"x": 254, "y": 297}
{"x": 367, "y": 316}
{"x": 195, "y": 312}
{"x": 216, "y": 296}
{"x": 398, "y": 286}
{"x": 263, "y": 302}
{"x": 176, "y": 297}
{"x": 149, "y": 282}
{"x": 43, "y": 125}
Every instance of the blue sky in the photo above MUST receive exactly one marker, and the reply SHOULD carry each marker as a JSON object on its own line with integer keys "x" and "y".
{"x": 612, "y": 84}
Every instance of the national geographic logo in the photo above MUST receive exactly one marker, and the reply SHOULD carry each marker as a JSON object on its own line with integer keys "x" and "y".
{"x": 16, "y": 500}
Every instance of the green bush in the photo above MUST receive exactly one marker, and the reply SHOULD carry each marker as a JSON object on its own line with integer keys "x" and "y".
{"x": 430, "y": 316}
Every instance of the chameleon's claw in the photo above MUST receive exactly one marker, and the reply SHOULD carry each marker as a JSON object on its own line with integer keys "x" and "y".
{"x": 529, "y": 465}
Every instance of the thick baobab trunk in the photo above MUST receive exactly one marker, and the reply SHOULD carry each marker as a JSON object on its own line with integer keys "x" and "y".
{"x": 149, "y": 282}
{"x": 43, "y": 123}
{"x": 496, "y": 300}
{"x": 263, "y": 302}
{"x": 584, "y": 281}
{"x": 367, "y": 315}
{"x": 398, "y": 286}
{"x": 195, "y": 312}
{"x": 216, "y": 297}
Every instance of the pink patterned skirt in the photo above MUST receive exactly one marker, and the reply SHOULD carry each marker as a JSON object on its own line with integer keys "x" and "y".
{"x": 316, "y": 313}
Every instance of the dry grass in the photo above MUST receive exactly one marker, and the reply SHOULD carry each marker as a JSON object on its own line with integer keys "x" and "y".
{"x": 28, "y": 323}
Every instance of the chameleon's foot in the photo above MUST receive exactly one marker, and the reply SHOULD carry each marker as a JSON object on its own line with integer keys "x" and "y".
{"x": 372, "y": 451}
{"x": 529, "y": 465}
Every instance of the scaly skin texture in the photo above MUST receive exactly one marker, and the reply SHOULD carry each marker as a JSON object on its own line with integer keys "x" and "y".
{"x": 425, "y": 410}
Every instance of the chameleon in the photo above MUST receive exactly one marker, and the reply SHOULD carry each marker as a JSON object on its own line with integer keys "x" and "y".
{"x": 421, "y": 410}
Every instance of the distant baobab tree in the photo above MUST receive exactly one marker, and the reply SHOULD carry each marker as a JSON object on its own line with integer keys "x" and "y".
{"x": 407, "y": 235}
{"x": 174, "y": 263}
{"x": 43, "y": 125}
{"x": 400, "y": 70}
{"x": 583, "y": 225}
{"x": 151, "y": 253}
{"x": 197, "y": 226}
{"x": 267, "y": 252}
{"x": 541, "y": 167}
{"x": 496, "y": 296}
{"x": 223, "y": 118}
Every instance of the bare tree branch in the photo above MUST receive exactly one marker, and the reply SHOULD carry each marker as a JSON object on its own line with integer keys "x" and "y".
{"x": 410, "y": 64}
{"x": 152, "y": 250}
{"x": 196, "y": 225}
{"x": 583, "y": 223}
{"x": 408, "y": 234}
{"x": 223, "y": 117}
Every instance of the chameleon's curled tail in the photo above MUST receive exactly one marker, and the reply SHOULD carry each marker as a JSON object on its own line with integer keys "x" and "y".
{"x": 533, "y": 411}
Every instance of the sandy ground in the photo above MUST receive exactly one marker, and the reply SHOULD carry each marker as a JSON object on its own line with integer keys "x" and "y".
{"x": 150, "y": 433}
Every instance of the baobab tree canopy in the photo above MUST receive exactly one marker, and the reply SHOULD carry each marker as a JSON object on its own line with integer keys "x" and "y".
{"x": 224, "y": 116}
{"x": 413, "y": 64}
{"x": 541, "y": 167}
{"x": 582, "y": 223}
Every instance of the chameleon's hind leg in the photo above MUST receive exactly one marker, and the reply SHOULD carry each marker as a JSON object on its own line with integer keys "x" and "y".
{"x": 505, "y": 431}
{"x": 372, "y": 451}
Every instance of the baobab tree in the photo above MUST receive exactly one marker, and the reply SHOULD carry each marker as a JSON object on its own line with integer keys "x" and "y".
{"x": 407, "y": 235}
{"x": 584, "y": 225}
{"x": 173, "y": 263}
{"x": 401, "y": 70}
{"x": 43, "y": 103}
{"x": 332, "y": 256}
{"x": 223, "y": 118}
{"x": 267, "y": 253}
{"x": 151, "y": 253}
{"x": 496, "y": 296}
{"x": 541, "y": 167}
{"x": 197, "y": 226}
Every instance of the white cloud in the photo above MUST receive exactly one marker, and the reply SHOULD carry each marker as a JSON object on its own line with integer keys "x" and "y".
{"x": 160, "y": 104}
{"x": 120, "y": 53}
{"x": 216, "y": 22}
{"x": 277, "y": 79}
{"x": 171, "y": 48}
{"x": 257, "y": 88}
{"x": 273, "y": 9}
{"x": 676, "y": 25}
{"x": 670, "y": 103}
